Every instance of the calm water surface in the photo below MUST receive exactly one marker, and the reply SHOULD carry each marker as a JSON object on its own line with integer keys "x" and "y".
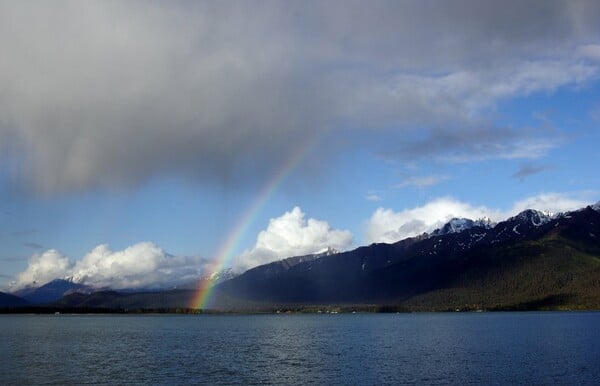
{"x": 490, "y": 348}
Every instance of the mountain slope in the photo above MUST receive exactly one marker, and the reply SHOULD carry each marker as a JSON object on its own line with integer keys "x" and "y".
{"x": 10, "y": 301}
{"x": 170, "y": 299}
{"x": 121, "y": 300}
{"x": 530, "y": 274}
{"x": 51, "y": 291}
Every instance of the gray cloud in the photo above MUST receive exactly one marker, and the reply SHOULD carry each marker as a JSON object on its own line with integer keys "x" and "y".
{"x": 474, "y": 143}
{"x": 421, "y": 181}
{"x": 110, "y": 94}
{"x": 24, "y": 232}
{"x": 32, "y": 245}
{"x": 14, "y": 258}
{"x": 527, "y": 170}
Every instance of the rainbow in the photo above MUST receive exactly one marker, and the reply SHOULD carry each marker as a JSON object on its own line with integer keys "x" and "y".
{"x": 225, "y": 252}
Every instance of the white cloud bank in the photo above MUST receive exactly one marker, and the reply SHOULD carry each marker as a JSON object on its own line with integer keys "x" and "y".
{"x": 143, "y": 265}
{"x": 388, "y": 226}
{"x": 292, "y": 234}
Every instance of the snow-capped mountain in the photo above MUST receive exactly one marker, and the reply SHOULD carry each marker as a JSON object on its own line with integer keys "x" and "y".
{"x": 536, "y": 217}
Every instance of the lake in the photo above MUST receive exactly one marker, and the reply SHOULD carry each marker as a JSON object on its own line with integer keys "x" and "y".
{"x": 436, "y": 348}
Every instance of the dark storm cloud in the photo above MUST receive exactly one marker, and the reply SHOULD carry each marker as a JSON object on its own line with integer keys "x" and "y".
{"x": 110, "y": 94}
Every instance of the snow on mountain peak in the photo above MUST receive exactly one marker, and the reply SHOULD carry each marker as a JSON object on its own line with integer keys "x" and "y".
{"x": 222, "y": 275}
{"x": 596, "y": 206}
{"x": 485, "y": 222}
{"x": 457, "y": 225}
{"x": 536, "y": 217}
{"x": 327, "y": 252}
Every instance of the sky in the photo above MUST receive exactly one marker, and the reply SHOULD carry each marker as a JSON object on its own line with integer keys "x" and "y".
{"x": 142, "y": 143}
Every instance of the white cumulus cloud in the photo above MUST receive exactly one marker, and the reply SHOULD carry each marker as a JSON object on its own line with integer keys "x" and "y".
{"x": 143, "y": 265}
{"x": 43, "y": 268}
{"x": 140, "y": 265}
{"x": 292, "y": 234}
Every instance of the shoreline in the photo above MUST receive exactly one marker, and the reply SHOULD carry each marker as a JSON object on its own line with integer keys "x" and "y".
{"x": 325, "y": 310}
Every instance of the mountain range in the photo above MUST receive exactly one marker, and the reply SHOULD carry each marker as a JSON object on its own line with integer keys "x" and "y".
{"x": 533, "y": 260}
{"x": 528, "y": 259}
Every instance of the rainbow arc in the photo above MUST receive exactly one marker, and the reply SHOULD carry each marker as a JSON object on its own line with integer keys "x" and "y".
{"x": 231, "y": 242}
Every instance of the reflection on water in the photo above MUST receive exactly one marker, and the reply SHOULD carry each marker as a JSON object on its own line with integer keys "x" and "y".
{"x": 496, "y": 348}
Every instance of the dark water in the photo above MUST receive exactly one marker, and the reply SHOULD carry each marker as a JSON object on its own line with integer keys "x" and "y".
{"x": 489, "y": 348}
